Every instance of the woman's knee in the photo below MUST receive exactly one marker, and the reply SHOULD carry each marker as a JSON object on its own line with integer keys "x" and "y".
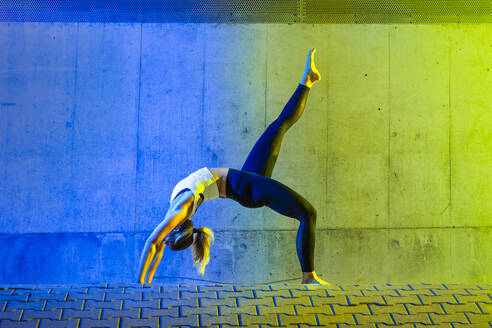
{"x": 309, "y": 213}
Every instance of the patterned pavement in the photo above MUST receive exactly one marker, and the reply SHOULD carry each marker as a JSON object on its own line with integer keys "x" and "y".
{"x": 224, "y": 305}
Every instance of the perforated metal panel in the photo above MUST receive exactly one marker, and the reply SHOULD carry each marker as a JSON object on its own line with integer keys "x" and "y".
{"x": 249, "y": 11}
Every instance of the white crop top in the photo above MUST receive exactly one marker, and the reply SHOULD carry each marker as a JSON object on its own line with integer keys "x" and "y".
{"x": 199, "y": 182}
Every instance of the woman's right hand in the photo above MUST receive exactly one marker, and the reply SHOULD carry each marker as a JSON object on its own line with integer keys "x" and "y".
{"x": 154, "y": 246}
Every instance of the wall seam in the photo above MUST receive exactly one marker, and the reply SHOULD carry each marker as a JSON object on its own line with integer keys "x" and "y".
{"x": 75, "y": 99}
{"x": 388, "y": 201}
{"x": 138, "y": 138}
{"x": 262, "y": 240}
{"x": 450, "y": 166}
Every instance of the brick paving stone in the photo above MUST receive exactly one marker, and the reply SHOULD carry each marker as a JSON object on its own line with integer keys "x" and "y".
{"x": 459, "y": 291}
{"x": 109, "y": 323}
{"x": 180, "y": 302}
{"x": 270, "y": 319}
{"x": 10, "y": 315}
{"x": 92, "y": 304}
{"x": 466, "y": 307}
{"x": 411, "y": 318}
{"x": 96, "y": 290}
{"x": 217, "y": 287}
{"x": 243, "y": 301}
{"x": 307, "y": 292}
{"x": 411, "y": 292}
{"x": 16, "y": 305}
{"x": 343, "y": 309}
{"x": 286, "y": 309}
{"x": 446, "y": 318}
{"x": 74, "y": 295}
{"x": 125, "y": 296}
{"x": 230, "y": 319}
{"x": 411, "y": 299}
{"x": 438, "y": 299}
{"x": 112, "y": 313}
{"x": 486, "y": 298}
{"x": 19, "y": 324}
{"x": 87, "y": 314}
{"x": 139, "y": 289}
{"x": 206, "y": 294}
{"x": 36, "y": 296}
{"x": 468, "y": 325}
{"x": 148, "y": 322}
{"x": 150, "y": 295}
{"x": 282, "y": 286}
{"x": 166, "y": 321}
{"x": 232, "y": 294}
{"x": 384, "y": 292}
{"x": 309, "y": 319}
{"x": 393, "y": 308}
{"x": 304, "y": 300}
{"x": 375, "y": 318}
{"x": 486, "y": 307}
{"x": 442, "y": 325}
{"x": 388, "y": 286}
{"x": 33, "y": 314}
{"x": 53, "y": 304}
{"x": 303, "y": 309}
{"x": 425, "y": 308}
{"x": 376, "y": 299}
{"x": 131, "y": 304}
{"x": 219, "y": 301}
{"x": 188, "y": 310}
{"x": 334, "y": 292}
{"x": 47, "y": 323}
{"x": 350, "y": 287}
{"x": 479, "y": 318}
{"x": 172, "y": 311}
{"x": 15, "y": 297}
{"x": 339, "y": 299}
{"x": 250, "y": 309}
{"x": 338, "y": 319}
{"x": 271, "y": 293}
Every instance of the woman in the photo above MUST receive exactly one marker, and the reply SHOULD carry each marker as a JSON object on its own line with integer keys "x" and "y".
{"x": 251, "y": 186}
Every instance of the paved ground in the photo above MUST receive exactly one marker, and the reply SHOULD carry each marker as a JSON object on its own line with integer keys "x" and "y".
{"x": 285, "y": 305}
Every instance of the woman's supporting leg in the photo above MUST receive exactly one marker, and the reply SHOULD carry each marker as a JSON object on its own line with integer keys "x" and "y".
{"x": 263, "y": 156}
{"x": 254, "y": 190}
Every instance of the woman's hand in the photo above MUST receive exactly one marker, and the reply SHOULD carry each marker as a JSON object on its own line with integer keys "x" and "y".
{"x": 154, "y": 246}
{"x": 157, "y": 260}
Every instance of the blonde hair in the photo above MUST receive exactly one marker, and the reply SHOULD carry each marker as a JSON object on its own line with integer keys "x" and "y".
{"x": 200, "y": 249}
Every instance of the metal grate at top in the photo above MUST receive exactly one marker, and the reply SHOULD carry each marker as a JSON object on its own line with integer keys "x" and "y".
{"x": 249, "y": 11}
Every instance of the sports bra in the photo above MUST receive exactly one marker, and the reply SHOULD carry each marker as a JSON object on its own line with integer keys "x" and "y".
{"x": 200, "y": 182}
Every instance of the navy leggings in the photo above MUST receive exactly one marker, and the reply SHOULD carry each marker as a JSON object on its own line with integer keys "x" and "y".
{"x": 252, "y": 186}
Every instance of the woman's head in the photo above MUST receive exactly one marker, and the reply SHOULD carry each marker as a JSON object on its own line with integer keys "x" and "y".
{"x": 184, "y": 236}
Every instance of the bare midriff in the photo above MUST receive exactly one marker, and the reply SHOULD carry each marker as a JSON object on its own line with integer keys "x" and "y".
{"x": 220, "y": 176}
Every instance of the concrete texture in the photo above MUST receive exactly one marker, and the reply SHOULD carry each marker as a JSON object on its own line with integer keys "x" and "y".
{"x": 99, "y": 121}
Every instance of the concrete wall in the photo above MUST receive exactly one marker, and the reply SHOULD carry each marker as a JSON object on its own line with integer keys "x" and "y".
{"x": 99, "y": 121}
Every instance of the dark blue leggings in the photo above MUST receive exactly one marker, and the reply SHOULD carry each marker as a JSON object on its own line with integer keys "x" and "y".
{"x": 252, "y": 186}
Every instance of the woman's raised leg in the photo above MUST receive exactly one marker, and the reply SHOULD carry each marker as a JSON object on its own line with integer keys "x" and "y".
{"x": 262, "y": 158}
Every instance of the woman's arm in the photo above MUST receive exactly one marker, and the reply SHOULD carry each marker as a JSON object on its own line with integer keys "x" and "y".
{"x": 154, "y": 245}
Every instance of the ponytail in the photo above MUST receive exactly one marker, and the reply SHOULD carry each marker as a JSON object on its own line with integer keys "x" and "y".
{"x": 200, "y": 249}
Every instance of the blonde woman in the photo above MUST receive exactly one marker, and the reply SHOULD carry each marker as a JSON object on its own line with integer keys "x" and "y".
{"x": 251, "y": 187}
